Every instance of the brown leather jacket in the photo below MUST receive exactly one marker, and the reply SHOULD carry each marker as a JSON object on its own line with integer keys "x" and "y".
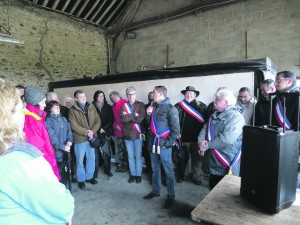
{"x": 129, "y": 133}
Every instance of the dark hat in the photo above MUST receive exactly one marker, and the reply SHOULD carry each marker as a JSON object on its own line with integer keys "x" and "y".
{"x": 33, "y": 95}
{"x": 190, "y": 88}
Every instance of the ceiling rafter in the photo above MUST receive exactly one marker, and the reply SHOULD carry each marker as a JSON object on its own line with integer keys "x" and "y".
{"x": 45, "y": 2}
{"x": 55, "y": 4}
{"x": 65, "y": 5}
{"x": 82, "y": 8}
{"x": 91, "y": 10}
{"x": 106, "y": 11}
{"x": 98, "y": 10}
{"x": 113, "y": 13}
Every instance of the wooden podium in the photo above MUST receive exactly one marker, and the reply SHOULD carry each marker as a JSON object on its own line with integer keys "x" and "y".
{"x": 224, "y": 205}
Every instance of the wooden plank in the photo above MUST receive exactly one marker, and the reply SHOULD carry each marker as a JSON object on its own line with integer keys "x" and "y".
{"x": 106, "y": 11}
{"x": 91, "y": 10}
{"x": 224, "y": 205}
{"x": 113, "y": 13}
{"x": 65, "y": 5}
{"x": 82, "y": 8}
{"x": 45, "y": 2}
{"x": 55, "y": 4}
{"x": 74, "y": 7}
{"x": 98, "y": 10}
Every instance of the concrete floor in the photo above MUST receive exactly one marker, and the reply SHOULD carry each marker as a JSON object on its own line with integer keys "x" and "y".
{"x": 115, "y": 201}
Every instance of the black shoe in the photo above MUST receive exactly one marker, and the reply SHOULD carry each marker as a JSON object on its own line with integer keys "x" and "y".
{"x": 150, "y": 195}
{"x": 74, "y": 180}
{"x": 109, "y": 174}
{"x": 81, "y": 184}
{"x": 131, "y": 179}
{"x": 138, "y": 179}
{"x": 169, "y": 203}
{"x": 92, "y": 181}
{"x": 179, "y": 180}
{"x": 197, "y": 182}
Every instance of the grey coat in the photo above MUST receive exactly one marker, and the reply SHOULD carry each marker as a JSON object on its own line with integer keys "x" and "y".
{"x": 227, "y": 129}
{"x": 166, "y": 116}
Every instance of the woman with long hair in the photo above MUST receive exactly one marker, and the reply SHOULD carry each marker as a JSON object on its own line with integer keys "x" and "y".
{"x": 29, "y": 191}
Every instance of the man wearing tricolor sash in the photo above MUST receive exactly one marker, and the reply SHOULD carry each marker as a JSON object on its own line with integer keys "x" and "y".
{"x": 286, "y": 82}
{"x": 221, "y": 138}
{"x": 132, "y": 114}
{"x": 164, "y": 131}
{"x": 192, "y": 117}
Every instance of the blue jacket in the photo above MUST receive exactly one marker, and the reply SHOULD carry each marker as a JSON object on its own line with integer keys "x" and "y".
{"x": 60, "y": 132}
{"x": 227, "y": 129}
{"x": 166, "y": 116}
{"x": 30, "y": 193}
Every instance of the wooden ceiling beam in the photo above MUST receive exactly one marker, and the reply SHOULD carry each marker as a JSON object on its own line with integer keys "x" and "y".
{"x": 188, "y": 10}
{"x": 91, "y": 10}
{"x": 74, "y": 7}
{"x": 98, "y": 10}
{"x": 82, "y": 8}
{"x": 55, "y": 4}
{"x": 45, "y": 2}
{"x": 65, "y": 6}
{"x": 106, "y": 11}
{"x": 113, "y": 13}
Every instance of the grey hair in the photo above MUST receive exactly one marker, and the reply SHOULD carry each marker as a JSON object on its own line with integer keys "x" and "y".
{"x": 130, "y": 89}
{"x": 227, "y": 95}
{"x": 50, "y": 94}
{"x": 114, "y": 93}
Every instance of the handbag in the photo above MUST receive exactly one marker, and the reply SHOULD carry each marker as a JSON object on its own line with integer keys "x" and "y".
{"x": 94, "y": 142}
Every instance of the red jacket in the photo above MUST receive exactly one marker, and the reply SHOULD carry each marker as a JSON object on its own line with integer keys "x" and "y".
{"x": 116, "y": 109}
{"x": 36, "y": 134}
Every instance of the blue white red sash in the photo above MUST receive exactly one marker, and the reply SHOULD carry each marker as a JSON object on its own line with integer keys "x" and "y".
{"x": 280, "y": 115}
{"x": 128, "y": 110}
{"x": 190, "y": 110}
{"x": 210, "y": 136}
{"x": 163, "y": 134}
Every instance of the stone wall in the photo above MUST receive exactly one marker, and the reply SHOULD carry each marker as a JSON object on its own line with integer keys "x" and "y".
{"x": 218, "y": 35}
{"x": 56, "y": 47}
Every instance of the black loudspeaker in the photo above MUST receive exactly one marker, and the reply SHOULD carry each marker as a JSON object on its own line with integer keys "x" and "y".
{"x": 269, "y": 167}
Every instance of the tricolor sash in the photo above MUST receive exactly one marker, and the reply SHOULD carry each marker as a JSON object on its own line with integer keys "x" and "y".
{"x": 190, "y": 110}
{"x": 280, "y": 115}
{"x": 128, "y": 110}
{"x": 210, "y": 136}
{"x": 163, "y": 134}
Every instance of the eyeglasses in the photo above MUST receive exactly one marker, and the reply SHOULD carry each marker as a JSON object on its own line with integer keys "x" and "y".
{"x": 280, "y": 79}
{"x": 131, "y": 94}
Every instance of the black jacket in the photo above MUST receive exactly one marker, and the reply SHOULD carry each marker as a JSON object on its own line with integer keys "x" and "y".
{"x": 292, "y": 111}
{"x": 107, "y": 119}
{"x": 189, "y": 126}
{"x": 262, "y": 112}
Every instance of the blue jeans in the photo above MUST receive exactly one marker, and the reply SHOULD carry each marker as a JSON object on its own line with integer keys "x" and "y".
{"x": 134, "y": 150}
{"x": 165, "y": 158}
{"x": 81, "y": 150}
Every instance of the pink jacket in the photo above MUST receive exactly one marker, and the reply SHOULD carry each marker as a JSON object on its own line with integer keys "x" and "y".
{"x": 116, "y": 109}
{"x": 36, "y": 134}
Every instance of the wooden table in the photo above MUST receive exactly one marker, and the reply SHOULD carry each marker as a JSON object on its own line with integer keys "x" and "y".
{"x": 224, "y": 205}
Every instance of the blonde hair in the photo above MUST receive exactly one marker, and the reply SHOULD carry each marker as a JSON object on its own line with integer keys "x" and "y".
{"x": 9, "y": 130}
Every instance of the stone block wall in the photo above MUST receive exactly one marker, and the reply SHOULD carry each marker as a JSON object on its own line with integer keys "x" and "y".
{"x": 56, "y": 47}
{"x": 218, "y": 35}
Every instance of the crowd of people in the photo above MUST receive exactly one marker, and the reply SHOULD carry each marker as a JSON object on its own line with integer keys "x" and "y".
{"x": 44, "y": 134}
